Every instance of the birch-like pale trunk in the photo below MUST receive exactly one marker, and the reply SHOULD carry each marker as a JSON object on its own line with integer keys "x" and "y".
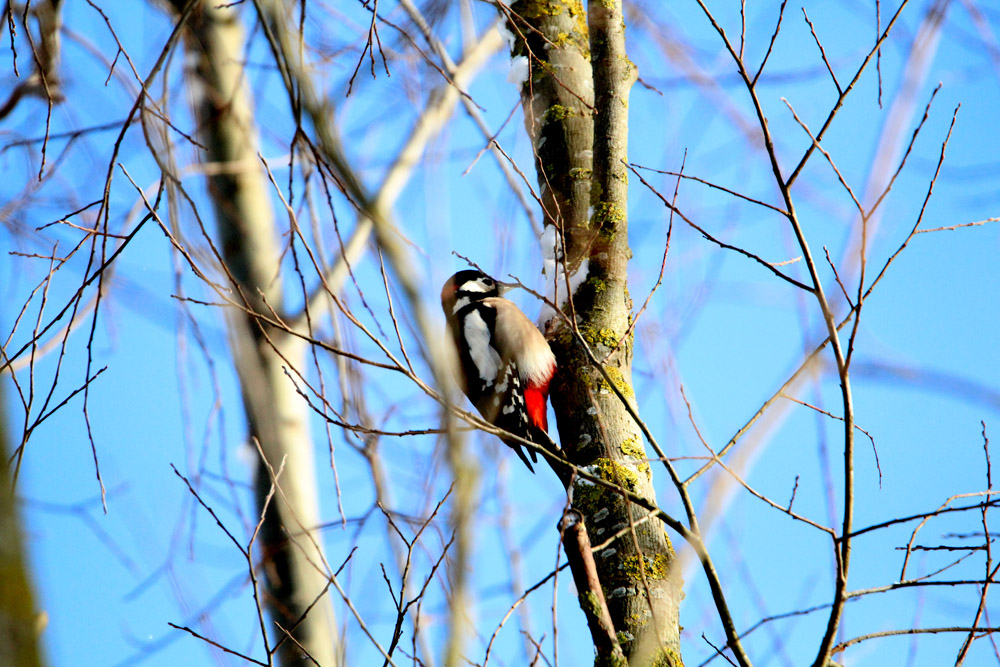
{"x": 293, "y": 564}
{"x": 576, "y": 111}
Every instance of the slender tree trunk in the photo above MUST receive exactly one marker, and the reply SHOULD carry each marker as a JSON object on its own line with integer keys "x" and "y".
{"x": 293, "y": 560}
{"x": 18, "y": 619}
{"x": 576, "y": 112}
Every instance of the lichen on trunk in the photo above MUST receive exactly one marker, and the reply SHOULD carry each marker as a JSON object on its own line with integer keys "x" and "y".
{"x": 575, "y": 102}
{"x": 558, "y": 99}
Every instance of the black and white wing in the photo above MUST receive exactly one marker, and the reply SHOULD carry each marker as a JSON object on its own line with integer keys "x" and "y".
{"x": 492, "y": 382}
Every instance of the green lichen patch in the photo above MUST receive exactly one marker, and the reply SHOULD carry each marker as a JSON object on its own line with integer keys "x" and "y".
{"x": 656, "y": 567}
{"x": 590, "y": 497}
{"x": 580, "y": 173}
{"x": 607, "y": 215}
{"x": 614, "y": 660}
{"x": 586, "y": 378}
{"x": 580, "y": 20}
{"x": 631, "y": 72}
{"x": 637, "y": 621}
{"x": 606, "y": 336}
{"x": 667, "y": 657}
{"x": 558, "y": 112}
{"x": 533, "y": 10}
{"x": 572, "y": 40}
{"x": 587, "y": 497}
{"x": 537, "y": 9}
{"x": 617, "y": 473}
{"x": 558, "y": 24}
{"x": 619, "y": 381}
{"x": 632, "y": 447}
{"x": 590, "y": 604}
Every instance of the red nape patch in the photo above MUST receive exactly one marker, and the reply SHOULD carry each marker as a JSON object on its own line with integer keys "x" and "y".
{"x": 534, "y": 399}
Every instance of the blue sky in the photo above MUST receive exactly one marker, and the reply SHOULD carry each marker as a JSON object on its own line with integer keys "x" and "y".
{"x": 925, "y": 371}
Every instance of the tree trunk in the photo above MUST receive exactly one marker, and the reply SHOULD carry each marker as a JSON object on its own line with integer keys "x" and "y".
{"x": 580, "y": 142}
{"x": 19, "y": 623}
{"x": 293, "y": 560}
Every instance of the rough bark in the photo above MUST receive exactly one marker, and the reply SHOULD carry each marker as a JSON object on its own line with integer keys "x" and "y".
{"x": 581, "y": 143}
{"x": 293, "y": 561}
{"x": 557, "y": 97}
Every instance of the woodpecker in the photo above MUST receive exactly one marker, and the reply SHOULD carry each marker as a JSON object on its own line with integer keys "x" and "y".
{"x": 506, "y": 363}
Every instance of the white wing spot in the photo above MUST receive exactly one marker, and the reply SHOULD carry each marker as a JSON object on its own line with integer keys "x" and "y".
{"x": 477, "y": 336}
{"x": 502, "y": 387}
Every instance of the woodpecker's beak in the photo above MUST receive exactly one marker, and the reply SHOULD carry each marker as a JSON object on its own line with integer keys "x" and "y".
{"x": 503, "y": 288}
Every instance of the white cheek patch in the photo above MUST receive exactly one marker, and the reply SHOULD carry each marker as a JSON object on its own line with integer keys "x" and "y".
{"x": 477, "y": 337}
{"x": 473, "y": 286}
{"x": 460, "y": 304}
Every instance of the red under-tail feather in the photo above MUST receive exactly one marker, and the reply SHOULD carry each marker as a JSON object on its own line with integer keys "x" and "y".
{"x": 534, "y": 398}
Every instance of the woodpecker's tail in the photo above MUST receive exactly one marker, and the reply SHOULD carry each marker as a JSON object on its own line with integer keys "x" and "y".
{"x": 539, "y": 437}
{"x": 516, "y": 446}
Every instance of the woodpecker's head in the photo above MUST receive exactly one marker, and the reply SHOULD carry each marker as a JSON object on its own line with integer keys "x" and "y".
{"x": 468, "y": 286}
